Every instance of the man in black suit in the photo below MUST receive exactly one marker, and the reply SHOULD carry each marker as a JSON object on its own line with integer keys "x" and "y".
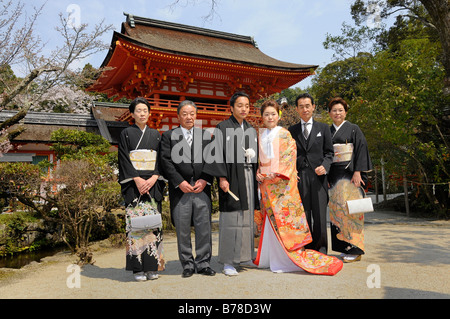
{"x": 189, "y": 190}
{"x": 314, "y": 157}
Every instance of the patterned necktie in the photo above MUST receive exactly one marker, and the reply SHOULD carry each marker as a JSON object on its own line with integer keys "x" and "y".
{"x": 305, "y": 130}
{"x": 189, "y": 137}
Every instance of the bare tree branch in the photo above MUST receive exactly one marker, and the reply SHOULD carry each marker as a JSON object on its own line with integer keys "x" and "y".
{"x": 16, "y": 39}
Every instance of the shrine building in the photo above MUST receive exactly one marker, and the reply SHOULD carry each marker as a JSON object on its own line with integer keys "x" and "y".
{"x": 165, "y": 63}
{"x": 168, "y": 62}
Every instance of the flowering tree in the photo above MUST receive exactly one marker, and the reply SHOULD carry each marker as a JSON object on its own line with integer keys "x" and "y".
{"x": 48, "y": 75}
{"x": 63, "y": 98}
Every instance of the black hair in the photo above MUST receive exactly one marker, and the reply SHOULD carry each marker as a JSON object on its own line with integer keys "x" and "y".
{"x": 236, "y": 96}
{"x": 337, "y": 100}
{"x": 270, "y": 103}
{"x": 136, "y": 101}
{"x": 304, "y": 96}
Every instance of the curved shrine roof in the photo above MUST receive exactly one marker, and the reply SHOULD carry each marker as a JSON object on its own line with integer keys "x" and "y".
{"x": 198, "y": 42}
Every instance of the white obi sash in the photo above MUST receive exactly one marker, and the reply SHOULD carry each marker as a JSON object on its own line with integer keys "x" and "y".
{"x": 143, "y": 160}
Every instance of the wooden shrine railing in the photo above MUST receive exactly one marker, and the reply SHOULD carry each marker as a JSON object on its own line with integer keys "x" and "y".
{"x": 169, "y": 106}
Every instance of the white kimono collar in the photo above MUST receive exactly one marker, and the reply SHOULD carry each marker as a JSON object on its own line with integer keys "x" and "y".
{"x": 267, "y": 138}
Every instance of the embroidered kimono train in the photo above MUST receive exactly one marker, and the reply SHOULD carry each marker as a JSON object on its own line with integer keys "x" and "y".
{"x": 347, "y": 231}
{"x": 144, "y": 248}
{"x": 282, "y": 220}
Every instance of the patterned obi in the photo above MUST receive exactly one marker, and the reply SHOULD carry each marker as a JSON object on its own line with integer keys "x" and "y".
{"x": 342, "y": 152}
{"x": 143, "y": 160}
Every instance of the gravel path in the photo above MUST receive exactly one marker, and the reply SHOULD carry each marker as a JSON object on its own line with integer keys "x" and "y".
{"x": 405, "y": 258}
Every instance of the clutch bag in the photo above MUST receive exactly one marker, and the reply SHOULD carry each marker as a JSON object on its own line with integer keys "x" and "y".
{"x": 146, "y": 222}
{"x": 360, "y": 206}
{"x": 142, "y": 216}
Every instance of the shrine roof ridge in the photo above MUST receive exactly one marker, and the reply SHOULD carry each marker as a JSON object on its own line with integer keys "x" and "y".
{"x": 132, "y": 20}
{"x": 180, "y": 39}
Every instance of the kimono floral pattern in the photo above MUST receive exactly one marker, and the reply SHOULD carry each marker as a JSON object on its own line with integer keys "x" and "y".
{"x": 316, "y": 263}
{"x": 281, "y": 202}
{"x": 144, "y": 240}
{"x": 351, "y": 226}
{"x": 280, "y": 198}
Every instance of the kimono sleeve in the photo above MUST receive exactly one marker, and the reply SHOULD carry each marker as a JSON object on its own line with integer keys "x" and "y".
{"x": 286, "y": 166}
{"x": 205, "y": 144}
{"x": 157, "y": 147}
{"x": 361, "y": 157}
{"x": 126, "y": 169}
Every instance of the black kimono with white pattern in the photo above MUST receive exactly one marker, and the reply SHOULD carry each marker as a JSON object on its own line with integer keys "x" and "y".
{"x": 129, "y": 139}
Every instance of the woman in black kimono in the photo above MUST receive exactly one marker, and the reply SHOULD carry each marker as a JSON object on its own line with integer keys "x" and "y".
{"x": 139, "y": 182}
{"x": 348, "y": 174}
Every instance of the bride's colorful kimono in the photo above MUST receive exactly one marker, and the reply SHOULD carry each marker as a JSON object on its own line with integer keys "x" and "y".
{"x": 282, "y": 218}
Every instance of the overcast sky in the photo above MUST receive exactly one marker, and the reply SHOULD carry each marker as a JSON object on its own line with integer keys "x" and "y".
{"x": 287, "y": 30}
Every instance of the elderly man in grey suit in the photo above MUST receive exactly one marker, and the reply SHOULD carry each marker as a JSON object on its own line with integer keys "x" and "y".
{"x": 314, "y": 157}
{"x": 189, "y": 190}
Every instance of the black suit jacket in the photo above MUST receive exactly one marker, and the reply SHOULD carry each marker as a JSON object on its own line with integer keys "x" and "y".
{"x": 180, "y": 162}
{"x": 318, "y": 150}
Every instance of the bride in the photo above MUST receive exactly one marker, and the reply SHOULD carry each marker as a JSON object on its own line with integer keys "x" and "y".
{"x": 284, "y": 231}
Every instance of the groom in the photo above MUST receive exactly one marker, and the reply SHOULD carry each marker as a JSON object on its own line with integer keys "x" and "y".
{"x": 314, "y": 157}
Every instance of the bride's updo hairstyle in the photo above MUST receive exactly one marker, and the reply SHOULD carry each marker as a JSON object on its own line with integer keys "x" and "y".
{"x": 270, "y": 103}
